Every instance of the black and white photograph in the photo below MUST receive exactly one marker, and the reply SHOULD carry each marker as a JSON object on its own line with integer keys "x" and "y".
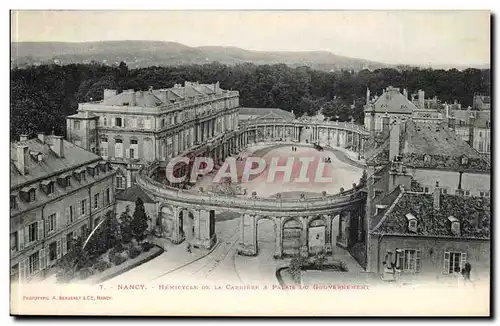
{"x": 250, "y": 162}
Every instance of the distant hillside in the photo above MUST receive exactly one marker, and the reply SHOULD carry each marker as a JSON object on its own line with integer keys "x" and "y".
{"x": 140, "y": 54}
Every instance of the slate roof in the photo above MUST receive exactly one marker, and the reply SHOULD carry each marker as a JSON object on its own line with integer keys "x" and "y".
{"x": 473, "y": 213}
{"x": 392, "y": 101}
{"x": 74, "y": 156}
{"x": 132, "y": 193}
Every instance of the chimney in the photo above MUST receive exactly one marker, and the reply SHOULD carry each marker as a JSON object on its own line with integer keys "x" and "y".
{"x": 394, "y": 140}
{"x": 22, "y": 159}
{"x": 23, "y": 137}
{"x": 372, "y": 122}
{"x": 421, "y": 99}
{"x": 367, "y": 95}
{"x": 405, "y": 93}
{"x": 41, "y": 137}
{"x": 109, "y": 93}
{"x": 133, "y": 100}
{"x": 57, "y": 145}
{"x": 472, "y": 120}
{"x": 437, "y": 196}
{"x": 163, "y": 96}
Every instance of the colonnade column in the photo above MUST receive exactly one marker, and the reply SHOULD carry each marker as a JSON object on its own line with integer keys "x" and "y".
{"x": 328, "y": 234}
{"x": 304, "y": 248}
{"x": 279, "y": 246}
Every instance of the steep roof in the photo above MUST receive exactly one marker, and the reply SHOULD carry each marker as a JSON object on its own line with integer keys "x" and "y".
{"x": 50, "y": 164}
{"x": 132, "y": 193}
{"x": 392, "y": 101}
{"x": 436, "y": 146}
{"x": 473, "y": 213}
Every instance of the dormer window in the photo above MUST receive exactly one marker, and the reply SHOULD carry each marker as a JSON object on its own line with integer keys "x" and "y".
{"x": 412, "y": 222}
{"x": 83, "y": 176}
{"x": 91, "y": 171}
{"x": 48, "y": 187}
{"x": 102, "y": 166}
{"x": 464, "y": 160}
{"x": 455, "y": 225}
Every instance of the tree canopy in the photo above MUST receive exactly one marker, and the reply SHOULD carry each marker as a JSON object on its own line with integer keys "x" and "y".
{"x": 42, "y": 96}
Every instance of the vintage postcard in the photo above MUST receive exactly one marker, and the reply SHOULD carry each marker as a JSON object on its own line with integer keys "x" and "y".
{"x": 250, "y": 163}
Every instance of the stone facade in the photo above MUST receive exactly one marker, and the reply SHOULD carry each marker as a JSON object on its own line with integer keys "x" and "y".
{"x": 58, "y": 192}
{"x": 134, "y": 128}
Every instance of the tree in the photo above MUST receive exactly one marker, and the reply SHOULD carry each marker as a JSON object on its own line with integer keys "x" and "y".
{"x": 112, "y": 229}
{"x": 139, "y": 223}
{"x": 363, "y": 179}
{"x": 74, "y": 258}
{"x": 125, "y": 225}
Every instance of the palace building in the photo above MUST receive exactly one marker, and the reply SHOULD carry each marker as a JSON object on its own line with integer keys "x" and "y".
{"x": 133, "y": 128}
{"x": 58, "y": 192}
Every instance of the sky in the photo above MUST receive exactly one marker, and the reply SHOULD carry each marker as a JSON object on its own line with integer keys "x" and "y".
{"x": 410, "y": 37}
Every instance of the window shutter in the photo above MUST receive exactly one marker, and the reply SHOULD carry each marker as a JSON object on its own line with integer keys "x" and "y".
{"x": 463, "y": 260}
{"x": 446, "y": 266}
{"x": 40, "y": 230}
{"x": 20, "y": 238}
{"x": 66, "y": 213}
{"x": 26, "y": 236}
{"x": 103, "y": 201}
{"x": 43, "y": 261}
{"x": 64, "y": 246}
{"x": 47, "y": 225}
{"x": 78, "y": 206}
{"x": 58, "y": 248}
{"x": 58, "y": 221}
{"x": 87, "y": 207}
{"x": 417, "y": 262}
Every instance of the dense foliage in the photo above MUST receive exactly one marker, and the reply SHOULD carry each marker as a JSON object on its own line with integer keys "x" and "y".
{"x": 42, "y": 96}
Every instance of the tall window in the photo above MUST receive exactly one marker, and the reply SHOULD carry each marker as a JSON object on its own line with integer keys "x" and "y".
{"x": 106, "y": 197}
{"x": 53, "y": 251}
{"x": 118, "y": 148}
{"x": 77, "y": 125}
{"x": 134, "y": 148}
{"x": 69, "y": 241}
{"x": 83, "y": 176}
{"x": 51, "y": 223}
{"x": 409, "y": 260}
{"x": 104, "y": 147}
{"x": 120, "y": 182}
{"x": 34, "y": 262}
{"x": 14, "y": 241}
{"x": 454, "y": 262}
{"x": 118, "y": 122}
{"x": 83, "y": 206}
{"x": 105, "y": 121}
{"x": 96, "y": 200}
{"x": 32, "y": 232}
{"x": 71, "y": 214}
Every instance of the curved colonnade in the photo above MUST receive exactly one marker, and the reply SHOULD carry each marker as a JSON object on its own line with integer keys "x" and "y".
{"x": 300, "y": 226}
